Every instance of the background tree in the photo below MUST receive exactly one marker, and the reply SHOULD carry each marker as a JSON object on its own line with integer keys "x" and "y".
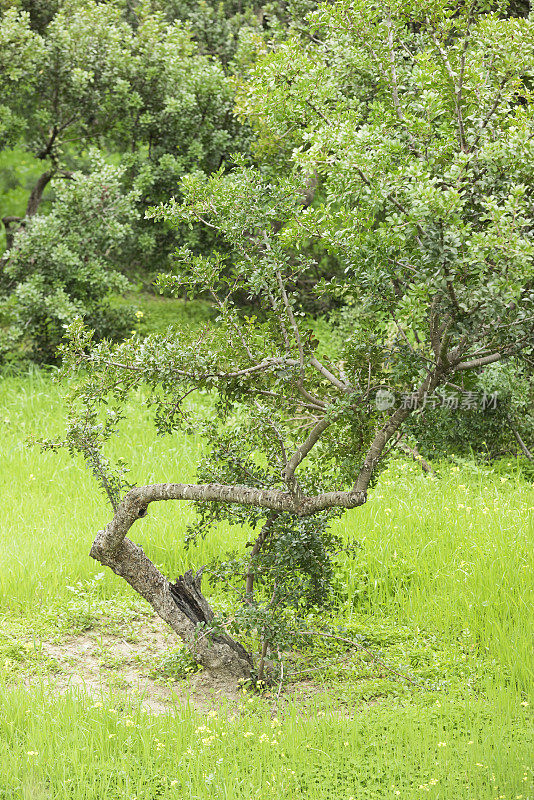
{"x": 61, "y": 266}
{"x": 139, "y": 93}
{"x": 428, "y": 198}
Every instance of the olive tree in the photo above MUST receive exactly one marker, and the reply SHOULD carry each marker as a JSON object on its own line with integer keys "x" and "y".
{"x": 417, "y": 121}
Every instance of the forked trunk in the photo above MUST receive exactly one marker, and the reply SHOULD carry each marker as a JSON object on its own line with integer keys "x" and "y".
{"x": 181, "y": 605}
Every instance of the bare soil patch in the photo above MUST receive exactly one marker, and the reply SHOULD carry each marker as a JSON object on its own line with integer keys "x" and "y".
{"x": 125, "y": 661}
{"x": 99, "y": 664}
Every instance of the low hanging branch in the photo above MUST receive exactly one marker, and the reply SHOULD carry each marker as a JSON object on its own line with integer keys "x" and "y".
{"x": 182, "y": 605}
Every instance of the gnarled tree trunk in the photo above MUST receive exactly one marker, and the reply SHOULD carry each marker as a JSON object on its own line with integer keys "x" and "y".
{"x": 181, "y": 605}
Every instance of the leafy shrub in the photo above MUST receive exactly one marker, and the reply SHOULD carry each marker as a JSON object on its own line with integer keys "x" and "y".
{"x": 488, "y": 433}
{"x": 61, "y": 267}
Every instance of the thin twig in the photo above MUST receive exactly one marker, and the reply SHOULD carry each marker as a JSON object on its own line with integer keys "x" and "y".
{"x": 233, "y": 324}
{"x": 456, "y": 88}
{"x": 395, "y": 202}
{"x": 291, "y": 317}
{"x": 279, "y": 318}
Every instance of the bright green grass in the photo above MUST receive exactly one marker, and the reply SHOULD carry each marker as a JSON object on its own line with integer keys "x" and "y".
{"x": 52, "y": 508}
{"x": 77, "y": 749}
{"x": 442, "y": 588}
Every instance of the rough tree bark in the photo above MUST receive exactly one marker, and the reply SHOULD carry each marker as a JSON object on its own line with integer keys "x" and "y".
{"x": 12, "y": 223}
{"x": 181, "y": 605}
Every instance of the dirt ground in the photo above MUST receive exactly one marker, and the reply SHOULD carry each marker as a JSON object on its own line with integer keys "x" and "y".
{"x": 99, "y": 663}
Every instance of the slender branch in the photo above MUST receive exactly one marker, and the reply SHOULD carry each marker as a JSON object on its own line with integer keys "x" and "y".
{"x": 311, "y": 397}
{"x": 234, "y": 325}
{"x": 457, "y": 91}
{"x": 279, "y": 318}
{"x": 291, "y": 317}
{"x": 433, "y": 325}
{"x": 301, "y": 452}
{"x": 464, "y": 50}
{"x": 312, "y": 406}
{"x": 393, "y": 69}
{"x": 204, "y": 221}
{"x": 443, "y": 358}
{"x": 292, "y": 484}
{"x": 492, "y": 110}
{"x": 393, "y": 200}
{"x": 403, "y": 334}
{"x": 174, "y": 406}
{"x": 328, "y": 375}
{"x": 264, "y": 365}
{"x": 258, "y": 544}
{"x": 395, "y": 86}
{"x": 479, "y": 362}
{"x": 263, "y": 653}
{"x": 391, "y": 426}
{"x": 280, "y": 440}
{"x": 519, "y": 440}
{"x": 314, "y": 402}
{"x": 416, "y": 455}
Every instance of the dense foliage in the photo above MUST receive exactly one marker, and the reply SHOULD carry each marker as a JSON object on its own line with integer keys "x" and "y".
{"x": 61, "y": 265}
{"x": 135, "y": 87}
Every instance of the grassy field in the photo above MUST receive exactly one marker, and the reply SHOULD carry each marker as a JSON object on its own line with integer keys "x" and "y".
{"x": 441, "y": 592}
